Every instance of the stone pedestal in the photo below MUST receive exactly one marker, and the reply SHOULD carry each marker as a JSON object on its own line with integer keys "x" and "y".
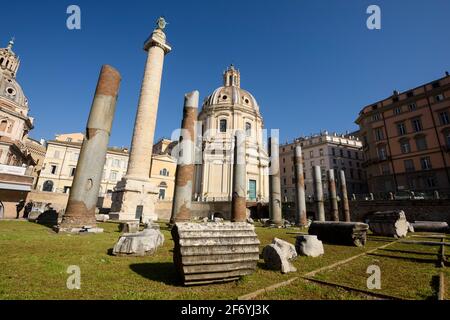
{"x": 134, "y": 200}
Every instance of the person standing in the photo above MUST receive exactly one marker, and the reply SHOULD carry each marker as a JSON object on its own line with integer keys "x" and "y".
{"x": 19, "y": 207}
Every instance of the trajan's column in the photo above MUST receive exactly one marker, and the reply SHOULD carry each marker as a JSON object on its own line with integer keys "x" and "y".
{"x": 134, "y": 196}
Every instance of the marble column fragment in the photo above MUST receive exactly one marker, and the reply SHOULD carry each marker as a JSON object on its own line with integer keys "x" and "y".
{"x": 238, "y": 202}
{"x": 318, "y": 193}
{"x": 344, "y": 197}
{"x": 334, "y": 209}
{"x": 300, "y": 213}
{"x": 184, "y": 176}
{"x": 274, "y": 182}
{"x": 83, "y": 197}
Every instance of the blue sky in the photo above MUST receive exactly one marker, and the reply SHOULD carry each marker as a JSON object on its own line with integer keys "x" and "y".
{"x": 311, "y": 65}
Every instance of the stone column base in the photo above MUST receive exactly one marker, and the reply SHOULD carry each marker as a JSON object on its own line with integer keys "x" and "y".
{"x": 133, "y": 198}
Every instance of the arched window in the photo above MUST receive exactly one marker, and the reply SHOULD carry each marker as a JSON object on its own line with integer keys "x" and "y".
{"x": 164, "y": 172}
{"x": 248, "y": 129}
{"x": 48, "y": 186}
{"x": 223, "y": 125}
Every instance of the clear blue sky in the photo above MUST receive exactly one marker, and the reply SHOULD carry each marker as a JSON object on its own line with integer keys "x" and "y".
{"x": 311, "y": 65}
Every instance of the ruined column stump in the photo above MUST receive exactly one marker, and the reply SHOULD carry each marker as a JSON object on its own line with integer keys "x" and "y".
{"x": 344, "y": 233}
{"x": 214, "y": 252}
{"x": 389, "y": 224}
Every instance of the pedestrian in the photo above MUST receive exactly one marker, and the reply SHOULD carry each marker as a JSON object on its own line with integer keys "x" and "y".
{"x": 19, "y": 207}
{"x": 28, "y": 209}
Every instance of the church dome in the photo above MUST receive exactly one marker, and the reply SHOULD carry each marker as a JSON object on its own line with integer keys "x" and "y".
{"x": 12, "y": 91}
{"x": 231, "y": 93}
{"x": 9, "y": 88}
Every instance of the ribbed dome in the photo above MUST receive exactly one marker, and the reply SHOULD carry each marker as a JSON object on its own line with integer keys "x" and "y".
{"x": 11, "y": 90}
{"x": 231, "y": 93}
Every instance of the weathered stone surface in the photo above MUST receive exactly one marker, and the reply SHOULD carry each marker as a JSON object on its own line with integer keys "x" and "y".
{"x": 129, "y": 227}
{"x": 431, "y": 226}
{"x": 278, "y": 256}
{"x": 139, "y": 244}
{"x": 309, "y": 245}
{"x": 102, "y": 217}
{"x": 214, "y": 251}
{"x": 389, "y": 223}
{"x": 345, "y": 233}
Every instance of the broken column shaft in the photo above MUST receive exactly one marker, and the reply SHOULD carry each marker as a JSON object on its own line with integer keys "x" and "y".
{"x": 238, "y": 202}
{"x": 83, "y": 197}
{"x": 334, "y": 209}
{"x": 300, "y": 213}
{"x": 274, "y": 182}
{"x": 318, "y": 193}
{"x": 344, "y": 197}
{"x": 184, "y": 176}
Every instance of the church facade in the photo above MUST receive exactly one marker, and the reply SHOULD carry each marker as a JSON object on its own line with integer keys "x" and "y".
{"x": 227, "y": 109}
{"x": 16, "y": 160}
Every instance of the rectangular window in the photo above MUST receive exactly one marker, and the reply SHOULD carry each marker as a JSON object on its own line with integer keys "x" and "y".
{"x": 425, "y": 163}
{"x": 401, "y": 128}
{"x": 311, "y": 154}
{"x": 113, "y": 176}
{"x": 443, "y": 117}
{"x": 334, "y": 161}
{"x": 405, "y": 146}
{"x": 379, "y": 134}
{"x": 382, "y": 154}
{"x": 356, "y": 155}
{"x": 341, "y": 152}
{"x": 376, "y": 117}
{"x": 53, "y": 169}
{"x": 322, "y": 162}
{"x": 431, "y": 182}
{"x": 349, "y": 154}
{"x": 409, "y": 165}
{"x": 421, "y": 143}
{"x": 412, "y": 106}
{"x": 72, "y": 171}
{"x": 397, "y": 110}
{"x": 56, "y": 154}
{"x": 321, "y": 152}
{"x": 416, "y": 124}
{"x": 333, "y": 151}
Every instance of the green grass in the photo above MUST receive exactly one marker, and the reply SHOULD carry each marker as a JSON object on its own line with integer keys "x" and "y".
{"x": 34, "y": 260}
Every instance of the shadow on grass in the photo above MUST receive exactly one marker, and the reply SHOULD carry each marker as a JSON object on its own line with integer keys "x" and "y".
{"x": 158, "y": 271}
{"x": 435, "y": 285}
{"x": 434, "y": 261}
{"x": 409, "y": 252}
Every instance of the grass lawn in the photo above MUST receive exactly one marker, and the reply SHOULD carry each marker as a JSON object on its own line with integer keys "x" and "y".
{"x": 34, "y": 260}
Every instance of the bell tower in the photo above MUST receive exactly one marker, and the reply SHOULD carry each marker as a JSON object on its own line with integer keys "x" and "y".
{"x": 232, "y": 77}
{"x": 9, "y": 62}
